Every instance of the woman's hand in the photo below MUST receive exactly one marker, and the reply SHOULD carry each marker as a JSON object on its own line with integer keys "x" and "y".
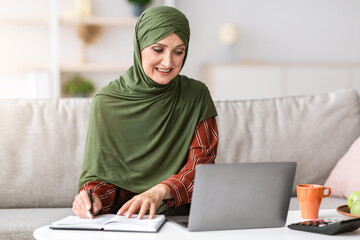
{"x": 150, "y": 199}
{"x": 81, "y": 205}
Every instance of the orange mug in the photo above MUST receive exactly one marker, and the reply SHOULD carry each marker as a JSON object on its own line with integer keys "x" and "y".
{"x": 309, "y": 197}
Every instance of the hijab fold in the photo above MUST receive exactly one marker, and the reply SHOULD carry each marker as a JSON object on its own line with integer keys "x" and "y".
{"x": 140, "y": 131}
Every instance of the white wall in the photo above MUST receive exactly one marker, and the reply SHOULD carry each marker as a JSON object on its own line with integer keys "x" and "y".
{"x": 275, "y": 31}
{"x": 307, "y": 31}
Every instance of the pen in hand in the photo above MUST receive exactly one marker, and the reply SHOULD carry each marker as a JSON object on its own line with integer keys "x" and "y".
{"x": 91, "y": 216}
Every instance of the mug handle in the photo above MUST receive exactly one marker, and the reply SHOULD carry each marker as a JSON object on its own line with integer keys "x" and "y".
{"x": 327, "y": 195}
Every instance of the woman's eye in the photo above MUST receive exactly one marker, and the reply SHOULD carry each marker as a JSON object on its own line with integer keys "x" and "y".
{"x": 158, "y": 50}
{"x": 179, "y": 52}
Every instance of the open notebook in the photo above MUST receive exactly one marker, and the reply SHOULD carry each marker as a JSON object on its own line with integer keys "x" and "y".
{"x": 110, "y": 222}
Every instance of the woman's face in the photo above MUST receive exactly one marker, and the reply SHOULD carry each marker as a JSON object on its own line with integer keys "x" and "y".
{"x": 163, "y": 60}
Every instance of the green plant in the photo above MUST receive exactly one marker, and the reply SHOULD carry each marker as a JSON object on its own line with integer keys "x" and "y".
{"x": 141, "y": 2}
{"x": 79, "y": 86}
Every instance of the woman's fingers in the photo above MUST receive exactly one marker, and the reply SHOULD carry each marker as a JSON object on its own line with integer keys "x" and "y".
{"x": 85, "y": 199}
{"x": 144, "y": 207}
{"x": 82, "y": 205}
{"x": 141, "y": 204}
{"x": 133, "y": 208}
{"x": 124, "y": 208}
{"x": 97, "y": 205}
{"x": 79, "y": 207}
{"x": 152, "y": 211}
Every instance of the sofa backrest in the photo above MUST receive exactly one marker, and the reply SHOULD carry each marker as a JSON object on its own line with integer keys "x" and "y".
{"x": 42, "y": 141}
{"x": 314, "y": 131}
{"x": 41, "y": 151}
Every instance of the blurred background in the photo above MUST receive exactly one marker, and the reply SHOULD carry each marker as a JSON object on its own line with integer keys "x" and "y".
{"x": 240, "y": 48}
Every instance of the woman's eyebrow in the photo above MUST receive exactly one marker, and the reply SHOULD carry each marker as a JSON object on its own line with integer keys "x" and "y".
{"x": 167, "y": 45}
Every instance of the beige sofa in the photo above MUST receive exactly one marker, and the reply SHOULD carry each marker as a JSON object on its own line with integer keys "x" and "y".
{"x": 42, "y": 143}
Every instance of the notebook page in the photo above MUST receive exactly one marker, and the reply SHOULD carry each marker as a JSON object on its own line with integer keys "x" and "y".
{"x": 82, "y": 223}
{"x": 122, "y": 223}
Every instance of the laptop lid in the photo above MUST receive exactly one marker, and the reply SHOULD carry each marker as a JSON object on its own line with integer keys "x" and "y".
{"x": 240, "y": 196}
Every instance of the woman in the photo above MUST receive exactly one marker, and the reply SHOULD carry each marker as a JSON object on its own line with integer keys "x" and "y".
{"x": 149, "y": 129}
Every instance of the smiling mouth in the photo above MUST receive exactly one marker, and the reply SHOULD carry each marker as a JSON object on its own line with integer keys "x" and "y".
{"x": 164, "y": 70}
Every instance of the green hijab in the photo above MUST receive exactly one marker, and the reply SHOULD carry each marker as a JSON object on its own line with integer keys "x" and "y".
{"x": 140, "y": 131}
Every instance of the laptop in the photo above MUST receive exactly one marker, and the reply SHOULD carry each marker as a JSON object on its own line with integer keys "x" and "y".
{"x": 239, "y": 196}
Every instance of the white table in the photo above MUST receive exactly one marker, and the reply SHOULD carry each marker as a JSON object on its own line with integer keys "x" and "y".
{"x": 172, "y": 231}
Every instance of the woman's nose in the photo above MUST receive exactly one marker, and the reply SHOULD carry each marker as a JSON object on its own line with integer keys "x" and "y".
{"x": 167, "y": 59}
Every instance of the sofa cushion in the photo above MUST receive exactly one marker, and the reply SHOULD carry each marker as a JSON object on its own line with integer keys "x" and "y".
{"x": 20, "y": 223}
{"x": 314, "y": 131}
{"x": 42, "y": 146}
{"x": 345, "y": 177}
